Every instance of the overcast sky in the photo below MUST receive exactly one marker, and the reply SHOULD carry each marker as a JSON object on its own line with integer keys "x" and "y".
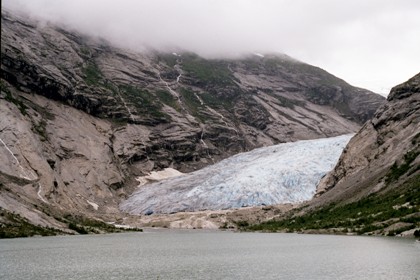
{"x": 374, "y": 44}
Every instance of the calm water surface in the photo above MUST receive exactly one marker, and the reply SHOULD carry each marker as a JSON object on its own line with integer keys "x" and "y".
{"x": 209, "y": 255}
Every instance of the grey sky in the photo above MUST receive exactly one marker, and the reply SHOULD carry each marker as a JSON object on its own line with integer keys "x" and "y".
{"x": 373, "y": 44}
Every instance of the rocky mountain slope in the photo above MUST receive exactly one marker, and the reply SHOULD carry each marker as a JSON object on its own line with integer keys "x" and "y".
{"x": 384, "y": 153}
{"x": 375, "y": 187}
{"x": 81, "y": 119}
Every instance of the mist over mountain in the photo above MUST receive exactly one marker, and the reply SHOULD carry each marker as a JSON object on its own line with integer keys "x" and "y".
{"x": 371, "y": 44}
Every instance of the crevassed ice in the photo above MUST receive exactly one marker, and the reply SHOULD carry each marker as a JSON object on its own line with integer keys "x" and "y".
{"x": 284, "y": 173}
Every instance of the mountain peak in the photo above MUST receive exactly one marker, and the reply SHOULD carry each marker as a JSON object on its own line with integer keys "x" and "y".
{"x": 406, "y": 89}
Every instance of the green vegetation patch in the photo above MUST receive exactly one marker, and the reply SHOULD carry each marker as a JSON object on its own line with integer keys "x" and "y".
{"x": 84, "y": 225}
{"x": 41, "y": 129}
{"x": 93, "y": 74}
{"x": 167, "y": 98}
{"x": 286, "y": 102}
{"x": 13, "y": 225}
{"x": 192, "y": 103}
{"x": 208, "y": 72}
{"x": 111, "y": 87}
{"x": 10, "y": 98}
{"x": 144, "y": 101}
{"x": 397, "y": 171}
{"x": 369, "y": 214}
{"x": 214, "y": 100}
{"x": 300, "y": 68}
{"x": 416, "y": 139}
{"x": 85, "y": 51}
{"x": 167, "y": 58}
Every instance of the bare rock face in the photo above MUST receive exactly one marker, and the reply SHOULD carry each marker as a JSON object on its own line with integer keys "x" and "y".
{"x": 384, "y": 153}
{"x": 81, "y": 119}
{"x": 62, "y": 160}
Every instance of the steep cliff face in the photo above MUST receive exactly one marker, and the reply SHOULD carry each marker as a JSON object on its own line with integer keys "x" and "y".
{"x": 384, "y": 153}
{"x": 375, "y": 187}
{"x": 81, "y": 119}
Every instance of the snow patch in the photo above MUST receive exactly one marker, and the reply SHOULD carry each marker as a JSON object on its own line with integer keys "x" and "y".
{"x": 284, "y": 173}
{"x": 158, "y": 176}
{"x": 120, "y": 226}
{"x": 123, "y": 226}
{"x": 93, "y": 204}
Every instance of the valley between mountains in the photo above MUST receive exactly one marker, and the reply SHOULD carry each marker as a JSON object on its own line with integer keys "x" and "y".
{"x": 84, "y": 123}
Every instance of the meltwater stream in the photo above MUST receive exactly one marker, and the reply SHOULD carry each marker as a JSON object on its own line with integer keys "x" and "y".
{"x": 175, "y": 254}
{"x": 284, "y": 173}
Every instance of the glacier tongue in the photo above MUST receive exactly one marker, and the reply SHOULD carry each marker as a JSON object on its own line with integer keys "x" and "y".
{"x": 284, "y": 173}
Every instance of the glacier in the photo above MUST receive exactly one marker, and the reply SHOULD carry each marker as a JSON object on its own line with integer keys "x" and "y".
{"x": 283, "y": 173}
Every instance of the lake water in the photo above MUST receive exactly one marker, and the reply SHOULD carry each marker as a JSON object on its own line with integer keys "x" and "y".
{"x": 170, "y": 254}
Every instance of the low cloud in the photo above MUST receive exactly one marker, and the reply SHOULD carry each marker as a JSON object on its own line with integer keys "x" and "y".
{"x": 372, "y": 44}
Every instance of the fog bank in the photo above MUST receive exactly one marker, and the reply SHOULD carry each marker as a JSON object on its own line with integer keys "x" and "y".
{"x": 372, "y": 44}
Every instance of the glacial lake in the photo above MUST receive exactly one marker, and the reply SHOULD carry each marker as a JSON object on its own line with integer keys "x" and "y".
{"x": 177, "y": 254}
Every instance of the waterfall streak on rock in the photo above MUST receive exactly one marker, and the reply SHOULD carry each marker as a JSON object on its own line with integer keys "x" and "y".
{"x": 39, "y": 194}
{"x": 174, "y": 93}
{"x": 222, "y": 119}
{"x": 125, "y": 105}
{"x": 24, "y": 174}
{"x": 199, "y": 99}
